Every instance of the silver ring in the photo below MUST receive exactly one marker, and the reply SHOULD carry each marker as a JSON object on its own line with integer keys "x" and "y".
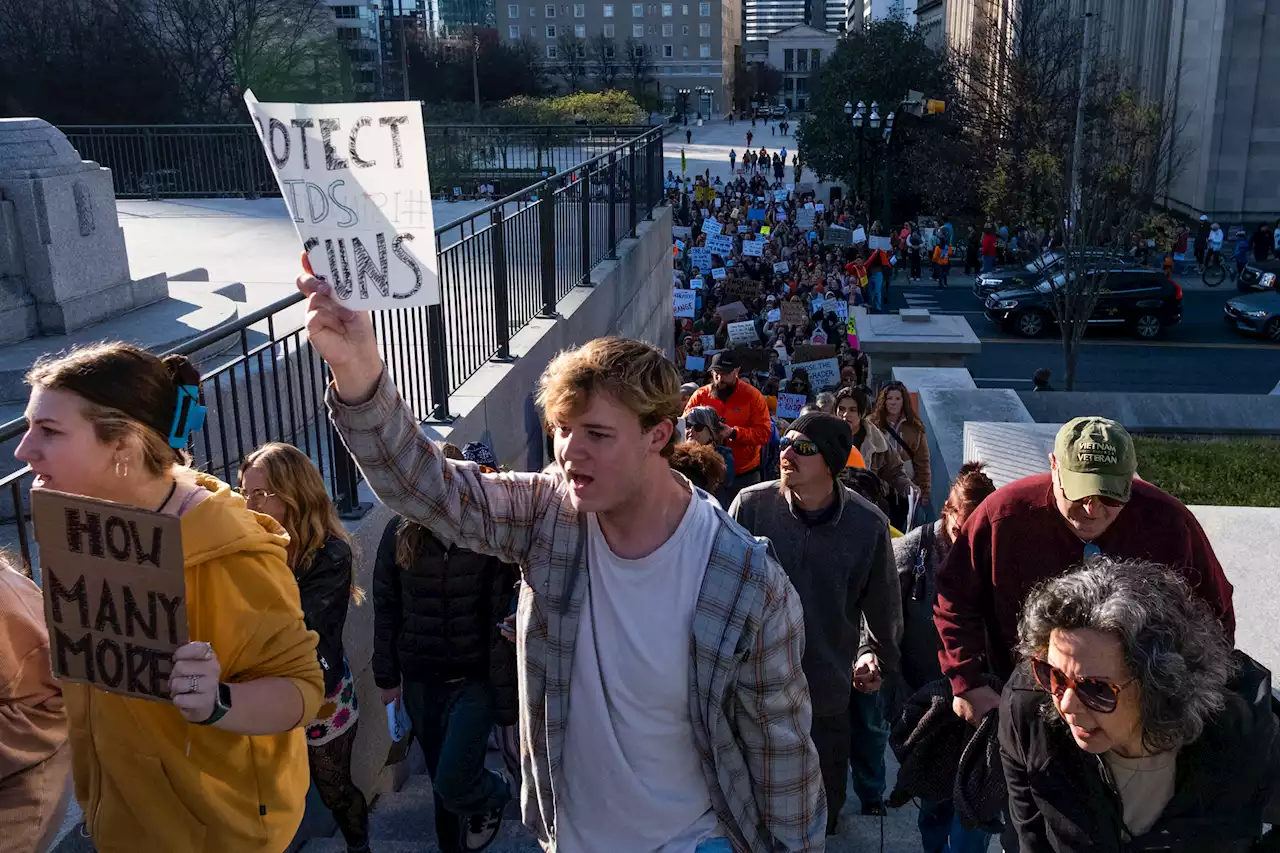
{"x": 195, "y": 684}
{"x": 208, "y": 652}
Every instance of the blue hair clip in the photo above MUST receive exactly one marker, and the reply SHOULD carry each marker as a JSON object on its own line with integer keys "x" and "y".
{"x": 188, "y": 415}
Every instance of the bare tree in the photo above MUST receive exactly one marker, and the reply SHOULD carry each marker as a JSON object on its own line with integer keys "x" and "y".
{"x": 604, "y": 60}
{"x": 573, "y": 58}
{"x": 639, "y": 66}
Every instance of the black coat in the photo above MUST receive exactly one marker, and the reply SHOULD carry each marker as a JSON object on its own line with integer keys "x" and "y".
{"x": 325, "y": 590}
{"x": 437, "y": 620}
{"x": 1061, "y": 802}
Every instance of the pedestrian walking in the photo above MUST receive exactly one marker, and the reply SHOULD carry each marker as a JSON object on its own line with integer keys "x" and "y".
{"x": 795, "y": 164}
{"x": 972, "y": 252}
{"x": 749, "y": 134}
{"x": 745, "y": 426}
{"x": 915, "y": 245}
{"x": 733, "y": 160}
{"x": 896, "y": 418}
{"x": 942, "y": 261}
{"x": 688, "y": 137}
{"x": 718, "y": 705}
{"x": 834, "y": 546}
{"x": 1202, "y": 241}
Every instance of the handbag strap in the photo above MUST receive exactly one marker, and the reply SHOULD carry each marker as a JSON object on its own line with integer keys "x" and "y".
{"x": 893, "y": 432}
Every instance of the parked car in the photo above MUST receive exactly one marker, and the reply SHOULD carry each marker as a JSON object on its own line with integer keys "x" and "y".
{"x": 1143, "y": 300}
{"x": 1046, "y": 266}
{"x": 1259, "y": 275}
{"x": 1255, "y": 314}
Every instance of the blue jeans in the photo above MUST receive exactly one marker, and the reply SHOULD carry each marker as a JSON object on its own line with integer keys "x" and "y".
{"x": 868, "y": 738}
{"x": 715, "y": 845}
{"x": 988, "y": 263}
{"x": 941, "y": 832}
{"x": 876, "y": 287}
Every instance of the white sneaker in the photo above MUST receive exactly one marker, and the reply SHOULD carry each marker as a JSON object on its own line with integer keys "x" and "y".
{"x": 480, "y": 830}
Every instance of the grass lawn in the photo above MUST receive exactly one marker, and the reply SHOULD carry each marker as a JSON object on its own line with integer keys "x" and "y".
{"x": 1218, "y": 472}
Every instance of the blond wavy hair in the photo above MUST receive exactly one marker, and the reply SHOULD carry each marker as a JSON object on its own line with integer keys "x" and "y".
{"x": 635, "y": 374}
{"x": 309, "y": 516}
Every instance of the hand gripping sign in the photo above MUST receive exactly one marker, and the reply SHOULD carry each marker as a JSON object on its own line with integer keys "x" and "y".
{"x": 354, "y": 177}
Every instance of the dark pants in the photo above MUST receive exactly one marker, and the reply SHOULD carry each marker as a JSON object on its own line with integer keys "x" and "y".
{"x": 331, "y": 773}
{"x": 913, "y": 260}
{"x": 830, "y": 736}
{"x": 868, "y": 738}
{"x": 451, "y": 722}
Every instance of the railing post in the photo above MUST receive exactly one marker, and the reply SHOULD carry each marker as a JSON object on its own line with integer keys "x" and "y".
{"x": 633, "y": 188}
{"x": 438, "y": 362}
{"x": 547, "y": 242}
{"x": 347, "y": 480}
{"x": 613, "y": 205}
{"x": 584, "y": 186}
{"x": 149, "y": 156}
{"x": 501, "y": 315}
{"x": 653, "y": 174}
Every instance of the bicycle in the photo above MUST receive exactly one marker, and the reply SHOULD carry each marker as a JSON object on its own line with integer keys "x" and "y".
{"x": 1215, "y": 271}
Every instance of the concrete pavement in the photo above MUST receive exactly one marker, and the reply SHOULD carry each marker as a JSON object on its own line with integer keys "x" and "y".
{"x": 715, "y": 139}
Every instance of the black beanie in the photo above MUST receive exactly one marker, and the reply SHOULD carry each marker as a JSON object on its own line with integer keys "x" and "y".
{"x": 832, "y": 435}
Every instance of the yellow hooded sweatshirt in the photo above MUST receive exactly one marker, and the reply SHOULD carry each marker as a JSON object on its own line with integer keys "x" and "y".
{"x": 147, "y": 779}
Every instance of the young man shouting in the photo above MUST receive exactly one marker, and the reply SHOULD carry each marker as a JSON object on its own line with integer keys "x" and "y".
{"x": 663, "y": 706}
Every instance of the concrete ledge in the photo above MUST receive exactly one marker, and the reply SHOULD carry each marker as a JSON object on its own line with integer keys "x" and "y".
{"x": 1252, "y": 414}
{"x": 919, "y": 378}
{"x": 945, "y": 411}
{"x": 922, "y": 340}
{"x": 1010, "y": 451}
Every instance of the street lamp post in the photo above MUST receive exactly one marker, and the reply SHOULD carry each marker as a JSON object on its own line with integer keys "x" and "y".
{"x": 856, "y": 118}
{"x": 684, "y": 105}
{"x": 888, "y": 150}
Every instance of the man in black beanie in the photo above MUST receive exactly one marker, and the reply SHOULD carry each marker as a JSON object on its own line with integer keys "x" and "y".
{"x": 834, "y": 546}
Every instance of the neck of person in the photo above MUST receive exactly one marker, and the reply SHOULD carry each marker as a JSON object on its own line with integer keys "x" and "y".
{"x": 146, "y": 491}
{"x": 815, "y": 497}
{"x": 640, "y": 525}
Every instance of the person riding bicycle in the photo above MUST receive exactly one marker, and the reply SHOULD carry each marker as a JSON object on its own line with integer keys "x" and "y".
{"x": 1213, "y": 254}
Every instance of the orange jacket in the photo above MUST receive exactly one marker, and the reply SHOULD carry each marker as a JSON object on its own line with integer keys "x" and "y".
{"x": 942, "y": 256}
{"x": 746, "y": 411}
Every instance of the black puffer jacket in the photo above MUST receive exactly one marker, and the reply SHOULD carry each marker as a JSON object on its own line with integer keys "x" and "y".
{"x": 436, "y": 620}
{"x": 325, "y": 590}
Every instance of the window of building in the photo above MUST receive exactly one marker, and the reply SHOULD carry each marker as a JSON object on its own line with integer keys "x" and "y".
{"x": 513, "y": 32}
{"x": 637, "y": 10}
{"x": 580, "y": 30}
{"x": 346, "y": 12}
{"x": 668, "y": 51}
{"x": 668, "y": 30}
{"x": 608, "y": 50}
{"x": 788, "y": 59}
{"x": 815, "y": 59}
{"x": 579, "y": 10}
{"x": 608, "y": 31}
{"x": 704, "y": 30}
{"x": 533, "y": 31}
{"x": 802, "y": 60}
{"x": 640, "y": 51}
{"x": 684, "y": 51}
{"x": 608, "y": 10}
{"x": 348, "y": 33}
{"x": 667, "y": 10}
{"x": 704, "y": 51}
{"x": 551, "y": 31}
{"x": 684, "y": 9}
{"x": 788, "y": 84}
{"x": 800, "y": 104}
{"x": 637, "y": 31}
{"x": 581, "y": 50}
{"x": 704, "y": 9}
{"x": 533, "y": 11}
{"x": 552, "y": 53}
{"x": 549, "y": 11}
{"x": 653, "y": 30}
{"x": 513, "y": 11}
{"x": 653, "y": 8}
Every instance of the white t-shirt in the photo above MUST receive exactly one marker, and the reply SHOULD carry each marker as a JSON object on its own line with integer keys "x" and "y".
{"x": 633, "y": 781}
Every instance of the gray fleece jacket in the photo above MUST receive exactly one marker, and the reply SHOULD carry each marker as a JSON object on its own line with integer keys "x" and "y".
{"x": 844, "y": 573}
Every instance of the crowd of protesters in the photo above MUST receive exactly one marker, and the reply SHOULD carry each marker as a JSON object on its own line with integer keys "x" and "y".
{"x": 726, "y": 594}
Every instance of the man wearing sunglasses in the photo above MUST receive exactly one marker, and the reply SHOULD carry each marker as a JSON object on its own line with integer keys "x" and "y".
{"x": 1036, "y": 528}
{"x": 834, "y": 546}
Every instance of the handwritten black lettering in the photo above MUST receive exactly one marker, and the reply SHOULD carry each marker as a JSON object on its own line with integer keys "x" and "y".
{"x": 331, "y": 159}
{"x": 364, "y": 266}
{"x": 63, "y": 645}
{"x": 363, "y": 121}
{"x": 171, "y": 606}
{"x": 346, "y": 265}
{"x": 59, "y": 593}
{"x": 302, "y": 124}
{"x": 137, "y": 664}
{"x": 92, "y": 525}
{"x": 107, "y": 610}
{"x": 152, "y": 556}
{"x": 291, "y": 189}
{"x": 117, "y": 525}
{"x": 314, "y": 191}
{"x": 112, "y": 672}
{"x": 397, "y": 247}
{"x": 134, "y": 617}
{"x": 342, "y": 287}
{"x": 352, "y": 217}
{"x": 272, "y": 126}
{"x": 394, "y": 123}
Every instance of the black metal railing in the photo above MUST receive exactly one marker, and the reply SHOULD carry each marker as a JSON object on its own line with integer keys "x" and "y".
{"x": 500, "y": 268}
{"x": 227, "y": 160}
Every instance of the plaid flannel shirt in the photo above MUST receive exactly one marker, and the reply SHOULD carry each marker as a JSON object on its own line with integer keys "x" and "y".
{"x": 748, "y": 696}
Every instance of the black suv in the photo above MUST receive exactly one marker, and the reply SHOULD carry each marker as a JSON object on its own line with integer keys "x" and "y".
{"x": 1046, "y": 266}
{"x": 1259, "y": 275}
{"x": 1142, "y": 300}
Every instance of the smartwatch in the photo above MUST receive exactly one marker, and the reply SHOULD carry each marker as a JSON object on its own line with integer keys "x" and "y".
{"x": 221, "y": 705}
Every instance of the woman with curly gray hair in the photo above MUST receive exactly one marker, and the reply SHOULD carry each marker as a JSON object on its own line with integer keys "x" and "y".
{"x": 1128, "y": 725}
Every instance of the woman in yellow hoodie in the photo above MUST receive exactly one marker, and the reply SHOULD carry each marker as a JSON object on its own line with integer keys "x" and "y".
{"x": 223, "y": 766}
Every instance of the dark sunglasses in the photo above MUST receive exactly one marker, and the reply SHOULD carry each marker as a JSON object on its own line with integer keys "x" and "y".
{"x": 697, "y": 427}
{"x": 1098, "y": 695}
{"x": 802, "y": 446}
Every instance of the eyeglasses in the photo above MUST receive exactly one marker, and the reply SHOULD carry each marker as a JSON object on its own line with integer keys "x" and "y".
{"x": 802, "y": 446}
{"x": 1096, "y": 694}
{"x": 255, "y": 496}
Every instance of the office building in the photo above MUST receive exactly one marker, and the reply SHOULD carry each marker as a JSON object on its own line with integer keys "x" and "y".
{"x": 798, "y": 52}
{"x": 861, "y": 12}
{"x": 763, "y": 18}
{"x": 359, "y": 36}
{"x": 691, "y": 44}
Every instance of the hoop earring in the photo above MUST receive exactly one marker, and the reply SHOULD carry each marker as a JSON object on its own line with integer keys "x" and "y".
{"x": 122, "y": 467}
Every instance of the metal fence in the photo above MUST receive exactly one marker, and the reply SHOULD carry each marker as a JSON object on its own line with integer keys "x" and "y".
{"x": 227, "y": 160}
{"x": 500, "y": 267}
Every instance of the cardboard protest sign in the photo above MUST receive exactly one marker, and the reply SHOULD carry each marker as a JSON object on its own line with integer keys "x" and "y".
{"x": 755, "y": 214}
{"x": 766, "y": 230}
{"x": 743, "y": 332}
{"x": 695, "y": 284}
{"x": 842, "y": 310}
{"x": 695, "y": 362}
{"x": 773, "y": 316}
{"x": 680, "y": 244}
{"x": 741, "y": 287}
{"x": 819, "y": 338}
{"x": 814, "y": 352}
{"x": 805, "y": 218}
{"x": 851, "y": 327}
{"x": 806, "y": 187}
{"x": 880, "y": 243}
{"x": 859, "y": 235}
{"x": 790, "y": 406}
{"x": 816, "y": 306}
{"x": 838, "y": 235}
{"x": 793, "y": 314}
{"x": 732, "y": 311}
{"x": 115, "y": 596}
{"x": 700, "y": 257}
{"x": 354, "y": 178}
{"x": 718, "y": 273}
{"x": 779, "y": 195}
{"x": 753, "y": 248}
{"x": 823, "y": 375}
{"x": 820, "y": 207}
{"x": 708, "y": 342}
{"x": 711, "y": 227}
{"x": 682, "y": 232}
{"x": 720, "y": 245}
{"x": 781, "y": 268}
{"x": 683, "y": 302}
{"x": 752, "y": 359}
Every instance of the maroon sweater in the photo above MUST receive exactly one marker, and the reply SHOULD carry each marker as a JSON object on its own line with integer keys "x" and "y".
{"x": 1016, "y": 538}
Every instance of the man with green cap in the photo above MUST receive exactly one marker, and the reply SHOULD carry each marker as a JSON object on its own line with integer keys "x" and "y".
{"x": 1089, "y": 503}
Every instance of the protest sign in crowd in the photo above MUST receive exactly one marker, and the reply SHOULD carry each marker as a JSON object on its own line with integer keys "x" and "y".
{"x": 724, "y": 598}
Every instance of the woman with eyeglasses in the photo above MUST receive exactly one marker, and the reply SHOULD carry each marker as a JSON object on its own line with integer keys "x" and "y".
{"x": 1128, "y": 725}
{"x": 702, "y": 425}
{"x": 280, "y": 481}
{"x": 219, "y": 763}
